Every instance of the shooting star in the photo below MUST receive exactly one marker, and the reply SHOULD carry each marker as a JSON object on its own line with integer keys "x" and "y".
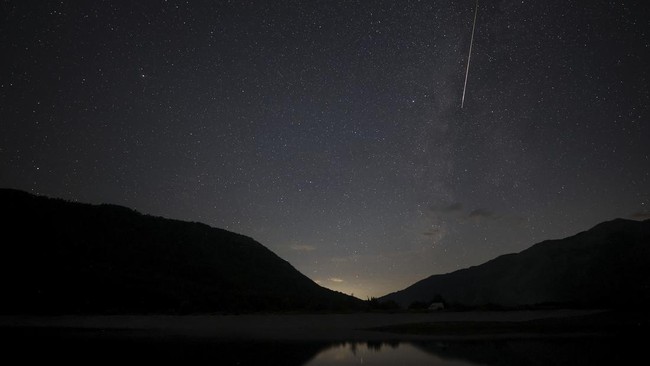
{"x": 469, "y": 56}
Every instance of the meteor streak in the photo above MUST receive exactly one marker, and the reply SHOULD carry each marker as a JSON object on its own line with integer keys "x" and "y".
{"x": 469, "y": 56}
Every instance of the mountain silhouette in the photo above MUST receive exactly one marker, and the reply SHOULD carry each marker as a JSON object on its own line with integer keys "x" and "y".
{"x": 606, "y": 266}
{"x": 61, "y": 257}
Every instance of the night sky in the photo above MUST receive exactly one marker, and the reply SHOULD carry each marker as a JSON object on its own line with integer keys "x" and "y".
{"x": 332, "y": 131}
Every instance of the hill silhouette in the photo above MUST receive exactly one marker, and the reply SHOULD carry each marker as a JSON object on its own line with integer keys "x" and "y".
{"x": 606, "y": 266}
{"x": 61, "y": 257}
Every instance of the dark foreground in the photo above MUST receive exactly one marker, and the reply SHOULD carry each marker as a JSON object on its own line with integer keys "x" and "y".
{"x": 498, "y": 338}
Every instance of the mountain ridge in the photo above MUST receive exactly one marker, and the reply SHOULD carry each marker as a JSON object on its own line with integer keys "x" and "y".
{"x": 67, "y": 257}
{"x": 605, "y": 265}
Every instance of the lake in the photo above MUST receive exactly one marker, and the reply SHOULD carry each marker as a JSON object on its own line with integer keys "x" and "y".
{"x": 76, "y": 349}
{"x": 300, "y": 340}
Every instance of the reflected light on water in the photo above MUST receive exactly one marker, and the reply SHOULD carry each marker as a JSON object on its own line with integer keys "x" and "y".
{"x": 380, "y": 354}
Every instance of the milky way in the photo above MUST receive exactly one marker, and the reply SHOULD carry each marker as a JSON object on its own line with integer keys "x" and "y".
{"x": 330, "y": 131}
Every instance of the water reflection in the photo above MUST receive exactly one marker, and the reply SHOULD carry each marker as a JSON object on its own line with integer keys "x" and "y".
{"x": 82, "y": 347}
{"x": 551, "y": 351}
{"x": 380, "y": 354}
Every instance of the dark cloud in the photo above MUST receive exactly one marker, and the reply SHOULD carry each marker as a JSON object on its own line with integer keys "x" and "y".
{"x": 449, "y": 208}
{"x": 481, "y": 213}
{"x": 640, "y": 215}
{"x": 431, "y": 232}
{"x": 457, "y": 206}
{"x": 303, "y": 247}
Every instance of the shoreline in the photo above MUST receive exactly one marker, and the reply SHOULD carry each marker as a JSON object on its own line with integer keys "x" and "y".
{"x": 358, "y": 327}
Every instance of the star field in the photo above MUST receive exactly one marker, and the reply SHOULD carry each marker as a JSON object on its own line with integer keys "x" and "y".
{"x": 331, "y": 131}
